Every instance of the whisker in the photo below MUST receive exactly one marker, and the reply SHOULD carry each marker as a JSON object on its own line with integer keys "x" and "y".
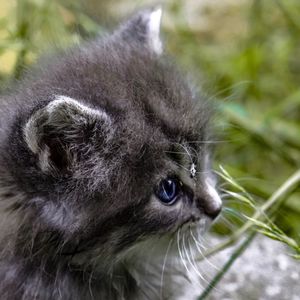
{"x": 196, "y": 153}
{"x": 207, "y": 142}
{"x": 192, "y": 263}
{"x": 180, "y": 253}
{"x": 220, "y": 92}
{"x": 163, "y": 268}
{"x": 90, "y": 282}
{"x": 181, "y": 166}
{"x": 204, "y": 243}
{"x": 176, "y": 152}
{"x": 206, "y": 281}
{"x": 200, "y": 243}
{"x": 187, "y": 152}
{"x": 195, "y": 265}
{"x": 198, "y": 246}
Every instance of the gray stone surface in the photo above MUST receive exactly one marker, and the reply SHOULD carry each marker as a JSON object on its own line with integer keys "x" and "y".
{"x": 265, "y": 271}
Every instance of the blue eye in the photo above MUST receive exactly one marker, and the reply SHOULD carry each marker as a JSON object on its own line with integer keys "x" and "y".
{"x": 167, "y": 190}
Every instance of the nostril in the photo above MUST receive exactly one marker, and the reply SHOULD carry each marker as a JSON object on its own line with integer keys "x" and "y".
{"x": 209, "y": 207}
{"x": 213, "y": 211}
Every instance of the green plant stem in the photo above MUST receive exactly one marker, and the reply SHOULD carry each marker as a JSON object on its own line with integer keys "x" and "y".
{"x": 263, "y": 136}
{"x": 275, "y": 198}
{"x": 22, "y": 34}
{"x": 227, "y": 265}
{"x": 290, "y": 19}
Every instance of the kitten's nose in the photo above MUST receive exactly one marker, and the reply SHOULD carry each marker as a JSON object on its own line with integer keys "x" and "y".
{"x": 210, "y": 203}
{"x": 212, "y": 210}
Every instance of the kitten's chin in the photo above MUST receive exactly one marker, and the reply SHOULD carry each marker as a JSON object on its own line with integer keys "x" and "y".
{"x": 168, "y": 258}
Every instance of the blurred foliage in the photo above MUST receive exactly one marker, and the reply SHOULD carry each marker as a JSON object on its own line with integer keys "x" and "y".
{"x": 244, "y": 54}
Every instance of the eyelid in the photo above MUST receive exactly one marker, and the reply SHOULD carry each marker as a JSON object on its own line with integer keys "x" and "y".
{"x": 173, "y": 177}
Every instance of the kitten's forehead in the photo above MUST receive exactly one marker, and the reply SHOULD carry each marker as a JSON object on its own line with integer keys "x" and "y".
{"x": 188, "y": 159}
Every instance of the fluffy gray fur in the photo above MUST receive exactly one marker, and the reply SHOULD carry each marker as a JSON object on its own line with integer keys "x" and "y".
{"x": 85, "y": 140}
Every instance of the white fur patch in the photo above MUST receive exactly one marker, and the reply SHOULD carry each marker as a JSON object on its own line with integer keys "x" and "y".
{"x": 217, "y": 202}
{"x": 154, "y": 30}
{"x": 60, "y": 100}
{"x": 30, "y": 130}
{"x": 61, "y": 217}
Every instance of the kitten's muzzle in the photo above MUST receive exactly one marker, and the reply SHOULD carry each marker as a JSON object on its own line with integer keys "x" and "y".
{"x": 206, "y": 202}
{"x": 213, "y": 213}
{"x": 209, "y": 207}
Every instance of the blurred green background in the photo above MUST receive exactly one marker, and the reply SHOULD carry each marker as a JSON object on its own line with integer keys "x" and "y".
{"x": 244, "y": 54}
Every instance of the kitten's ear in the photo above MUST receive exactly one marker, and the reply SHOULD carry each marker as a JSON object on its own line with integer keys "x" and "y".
{"x": 60, "y": 133}
{"x": 144, "y": 28}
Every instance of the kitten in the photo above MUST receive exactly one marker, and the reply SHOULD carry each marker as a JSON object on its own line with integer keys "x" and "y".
{"x": 104, "y": 160}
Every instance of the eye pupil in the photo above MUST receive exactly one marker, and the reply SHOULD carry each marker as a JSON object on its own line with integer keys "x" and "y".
{"x": 168, "y": 190}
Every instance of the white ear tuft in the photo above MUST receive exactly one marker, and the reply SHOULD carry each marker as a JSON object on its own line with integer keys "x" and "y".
{"x": 54, "y": 131}
{"x": 144, "y": 28}
{"x": 56, "y": 111}
{"x": 62, "y": 101}
{"x": 154, "y": 30}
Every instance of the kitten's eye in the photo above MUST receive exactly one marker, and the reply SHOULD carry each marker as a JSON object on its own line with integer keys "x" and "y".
{"x": 167, "y": 190}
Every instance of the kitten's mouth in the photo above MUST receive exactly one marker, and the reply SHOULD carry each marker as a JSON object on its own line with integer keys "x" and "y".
{"x": 192, "y": 222}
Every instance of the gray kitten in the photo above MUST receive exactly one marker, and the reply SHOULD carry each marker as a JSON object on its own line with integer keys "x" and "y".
{"x": 104, "y": 160}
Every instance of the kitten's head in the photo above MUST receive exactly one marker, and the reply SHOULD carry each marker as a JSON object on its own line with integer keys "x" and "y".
{"x": 111, "y": 146}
